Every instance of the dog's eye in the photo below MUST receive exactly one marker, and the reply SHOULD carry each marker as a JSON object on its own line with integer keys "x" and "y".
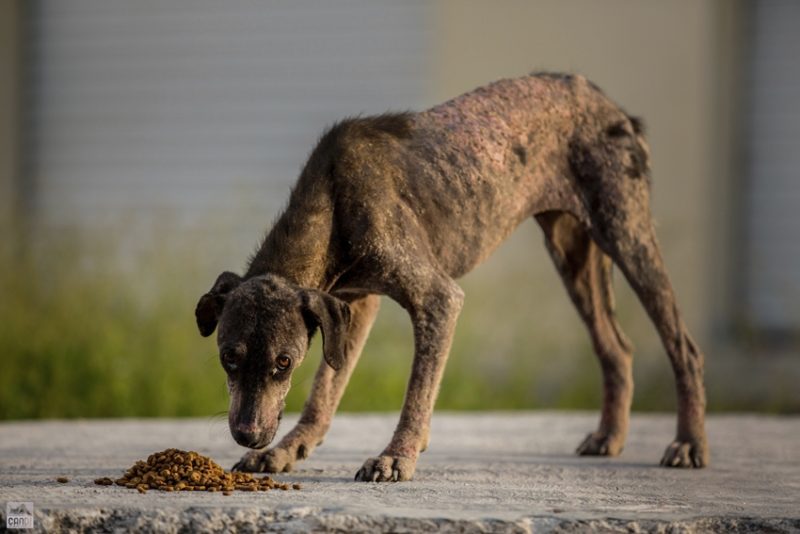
{"x": 229, "y": 361}
{"x": 283, "y": 362}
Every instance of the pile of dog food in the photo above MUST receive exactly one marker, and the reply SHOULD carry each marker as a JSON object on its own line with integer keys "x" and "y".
{"x": 177, "y": 470}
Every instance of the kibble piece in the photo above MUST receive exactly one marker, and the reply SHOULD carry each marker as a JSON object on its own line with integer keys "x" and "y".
{"x": 226, "y": 493}
{"x": 296, "y": 486}
{"x": 62, "y": 480}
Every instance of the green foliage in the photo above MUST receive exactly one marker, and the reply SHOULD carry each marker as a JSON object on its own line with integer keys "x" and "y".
{"x": 80, "y": 341}
{"x": 89, "y": 331}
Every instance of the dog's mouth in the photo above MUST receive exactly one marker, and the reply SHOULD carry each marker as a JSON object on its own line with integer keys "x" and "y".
{"x": 260, "y": 444}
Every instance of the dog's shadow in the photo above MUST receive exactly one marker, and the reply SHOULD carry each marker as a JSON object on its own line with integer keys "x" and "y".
{"x": 537, "y": 459}
{"x": 463, "y": 463}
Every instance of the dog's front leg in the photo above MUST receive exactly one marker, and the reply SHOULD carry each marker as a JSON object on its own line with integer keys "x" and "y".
{"x": 329, "y": 385}
{"x": 434, "y": 316}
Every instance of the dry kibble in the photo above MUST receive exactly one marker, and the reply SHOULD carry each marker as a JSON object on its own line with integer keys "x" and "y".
{"x": 177, "y": 470}
{"x": 296, "y": 486}
{"x": 62, "y": 480}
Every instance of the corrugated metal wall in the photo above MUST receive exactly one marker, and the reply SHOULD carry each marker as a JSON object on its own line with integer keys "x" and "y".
{"x": 773, "y": 196}
{"x": 190, "y": 111}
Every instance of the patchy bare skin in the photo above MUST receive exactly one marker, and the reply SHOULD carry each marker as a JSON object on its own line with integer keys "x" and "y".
{"x": 401, "y": 205}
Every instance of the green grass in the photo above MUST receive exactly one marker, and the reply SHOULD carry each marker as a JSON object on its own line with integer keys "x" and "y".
{"x": 87, "y": 330}
{"x": 80, "y": 341}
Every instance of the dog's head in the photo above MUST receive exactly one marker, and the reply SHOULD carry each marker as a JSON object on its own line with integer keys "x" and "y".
{"x": 264, "y": 326}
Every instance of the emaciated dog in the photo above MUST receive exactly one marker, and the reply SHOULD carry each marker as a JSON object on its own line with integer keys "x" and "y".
{"x": 402, "y": 205}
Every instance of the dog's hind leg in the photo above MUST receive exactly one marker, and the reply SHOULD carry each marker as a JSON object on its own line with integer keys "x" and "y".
{"x": 637, "y": 254}
{"x": 611, "y": 172}
{"x": 586, "y": 273}
{"x": 329, "y": 385}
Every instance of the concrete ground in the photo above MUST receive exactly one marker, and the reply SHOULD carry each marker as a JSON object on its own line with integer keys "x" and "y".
{"x": 483, "y": 472}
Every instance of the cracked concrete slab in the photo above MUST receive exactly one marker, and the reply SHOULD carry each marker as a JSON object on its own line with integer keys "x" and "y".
{"x": 507, "y": 472}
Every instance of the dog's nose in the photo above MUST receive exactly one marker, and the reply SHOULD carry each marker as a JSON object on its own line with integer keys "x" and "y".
{"x": 247, "y": 435}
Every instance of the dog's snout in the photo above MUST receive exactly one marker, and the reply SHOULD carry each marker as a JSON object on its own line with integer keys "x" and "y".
{"x": 247, "y": 435}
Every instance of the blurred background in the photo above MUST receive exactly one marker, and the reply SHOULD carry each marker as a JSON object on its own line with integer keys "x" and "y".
{"x": 145, "y": 146}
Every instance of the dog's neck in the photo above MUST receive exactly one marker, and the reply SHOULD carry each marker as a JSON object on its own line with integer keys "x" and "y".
{"x": 296, "y": 247}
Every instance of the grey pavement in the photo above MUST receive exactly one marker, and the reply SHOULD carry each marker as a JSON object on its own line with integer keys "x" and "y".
{"x": 508, "y": 472}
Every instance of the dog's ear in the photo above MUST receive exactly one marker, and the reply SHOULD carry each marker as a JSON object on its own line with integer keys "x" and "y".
{"x": 332, "y": 315}
{"x": 210, "y": 305}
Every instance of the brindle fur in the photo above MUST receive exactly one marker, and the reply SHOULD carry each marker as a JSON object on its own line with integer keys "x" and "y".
{"x": 401, "y": 205}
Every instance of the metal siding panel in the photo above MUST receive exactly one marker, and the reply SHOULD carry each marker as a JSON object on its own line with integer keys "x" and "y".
{"x": 773, "y": 200}
{"x": 195, "y": 107}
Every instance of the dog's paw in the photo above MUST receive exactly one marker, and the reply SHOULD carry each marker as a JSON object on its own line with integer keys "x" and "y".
{"x": 597, "y": 444}
{"x": 275, "y": 460}
{"x": 387, "y": 469}
{"x": 685, "y": 454}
